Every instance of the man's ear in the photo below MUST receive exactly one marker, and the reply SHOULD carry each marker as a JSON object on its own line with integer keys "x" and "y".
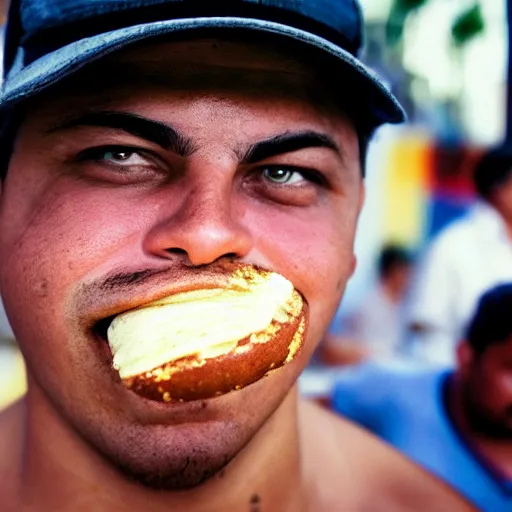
{"x": 465, "y": 357}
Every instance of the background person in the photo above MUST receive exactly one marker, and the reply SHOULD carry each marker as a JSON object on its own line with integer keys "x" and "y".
{"x": 375, "y": 329}
{"x": 468, "y": 257}
{"x": 456, "y": 423}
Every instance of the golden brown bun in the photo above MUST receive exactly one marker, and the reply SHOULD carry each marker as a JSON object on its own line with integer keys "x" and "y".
{"x": 190, "y": 378}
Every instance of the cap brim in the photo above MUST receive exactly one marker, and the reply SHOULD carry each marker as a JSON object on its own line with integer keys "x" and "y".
{"x": 53, "y": 67}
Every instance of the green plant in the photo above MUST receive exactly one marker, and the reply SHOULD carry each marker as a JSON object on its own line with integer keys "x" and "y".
{"x": 467, "y": 25}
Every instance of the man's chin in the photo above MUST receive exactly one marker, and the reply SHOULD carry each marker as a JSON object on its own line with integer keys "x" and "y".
{"x": 189, "y": 473}
{"x": 174, "y": 458}
{"x": 181, "y": 446}
{"x": 170, "y": 446}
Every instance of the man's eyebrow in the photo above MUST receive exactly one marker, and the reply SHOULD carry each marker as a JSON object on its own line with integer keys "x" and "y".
{"x": 287, "y": 143}
{"x": 159, "y": 133}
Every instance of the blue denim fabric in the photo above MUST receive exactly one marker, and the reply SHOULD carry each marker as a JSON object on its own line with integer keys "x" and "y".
{"x": 341, "y": 15}
{"x": 28, "y": 75}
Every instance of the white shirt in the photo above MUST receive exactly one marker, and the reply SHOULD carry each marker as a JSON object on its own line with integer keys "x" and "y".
{"x": 470, "y": 256}
{"x": 377, "y": 323}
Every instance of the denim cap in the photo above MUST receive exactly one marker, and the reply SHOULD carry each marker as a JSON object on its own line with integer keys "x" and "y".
{"x": 48, "y": 40}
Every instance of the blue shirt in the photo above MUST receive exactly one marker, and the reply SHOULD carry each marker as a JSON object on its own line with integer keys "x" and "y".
{"x": 407, "y": 409}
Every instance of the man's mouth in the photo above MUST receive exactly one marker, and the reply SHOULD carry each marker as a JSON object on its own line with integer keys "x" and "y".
{"x": 100, "y": 328}
{"x": 205, "y": 342}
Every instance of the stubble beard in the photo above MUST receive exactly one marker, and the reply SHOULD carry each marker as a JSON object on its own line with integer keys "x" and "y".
{"x": 483, "y": 423}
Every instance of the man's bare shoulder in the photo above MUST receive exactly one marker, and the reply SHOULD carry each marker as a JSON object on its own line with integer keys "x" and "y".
{"x": 349, "y": 469}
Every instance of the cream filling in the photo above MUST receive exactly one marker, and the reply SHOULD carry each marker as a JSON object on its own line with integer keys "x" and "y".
{"x": 204, "y": 323}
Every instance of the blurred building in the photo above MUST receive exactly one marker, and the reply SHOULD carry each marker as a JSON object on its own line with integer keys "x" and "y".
{"x": 447, "y": 62}
{"x": 453, "y": 86}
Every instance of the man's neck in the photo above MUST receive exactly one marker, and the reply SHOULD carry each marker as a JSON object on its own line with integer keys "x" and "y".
{"x": 497, "y": 453}
{"x": 60, "y": 471}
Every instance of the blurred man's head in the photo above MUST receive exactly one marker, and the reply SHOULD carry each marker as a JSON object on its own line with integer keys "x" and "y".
{"x": 395, "y": 267}
{"x": 485, "y": 365}
{"x": 493, "y": 180}
{"x": 153, "y": 166}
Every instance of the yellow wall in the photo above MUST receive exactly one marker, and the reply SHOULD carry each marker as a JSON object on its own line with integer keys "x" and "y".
{"x": 406, "y": 189}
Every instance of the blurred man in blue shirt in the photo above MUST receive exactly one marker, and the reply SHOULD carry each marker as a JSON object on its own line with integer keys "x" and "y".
{"x": 457, "y": 424}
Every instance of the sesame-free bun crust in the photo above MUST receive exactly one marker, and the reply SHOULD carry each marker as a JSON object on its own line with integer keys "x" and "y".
{"x": 191, "y": 379}
{"x": 201, "y": 341}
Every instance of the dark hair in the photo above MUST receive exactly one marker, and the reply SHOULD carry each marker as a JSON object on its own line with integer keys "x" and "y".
{"x": 9, "y": 125}
{"x": 492, "y": 170}
{"x": 492, "y": 320}
{"x": 392, "y": 256}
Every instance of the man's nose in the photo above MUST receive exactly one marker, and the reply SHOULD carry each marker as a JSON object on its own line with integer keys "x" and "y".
{"x": 205, "y": 226}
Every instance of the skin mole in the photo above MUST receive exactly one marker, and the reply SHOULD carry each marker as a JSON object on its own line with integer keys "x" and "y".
{"x": 255, "y": 503}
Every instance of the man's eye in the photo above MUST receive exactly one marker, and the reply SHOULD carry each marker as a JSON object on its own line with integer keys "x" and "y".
{"x": 121, "y": 164}
{"x": 282, "y": 175}
{"x": 121, "y": 157}
{"x": 117, "y": 156}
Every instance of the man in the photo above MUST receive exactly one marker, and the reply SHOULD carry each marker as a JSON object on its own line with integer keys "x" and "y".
{"x": 153, "y": 145}
{"x": 457, "y": 424}
{"x": 470, "y": 256}
{"x": 375, "y": 329}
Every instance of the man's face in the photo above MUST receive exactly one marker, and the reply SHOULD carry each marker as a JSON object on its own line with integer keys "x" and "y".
{"x": 488, "y": 392}
{"x": 399, "y": 277}
{"x": 104, "y": 210}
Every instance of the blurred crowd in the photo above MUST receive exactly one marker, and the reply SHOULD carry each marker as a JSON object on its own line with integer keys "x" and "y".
{"x": 421, "y": 305}
{"x": 425, "y": 360}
